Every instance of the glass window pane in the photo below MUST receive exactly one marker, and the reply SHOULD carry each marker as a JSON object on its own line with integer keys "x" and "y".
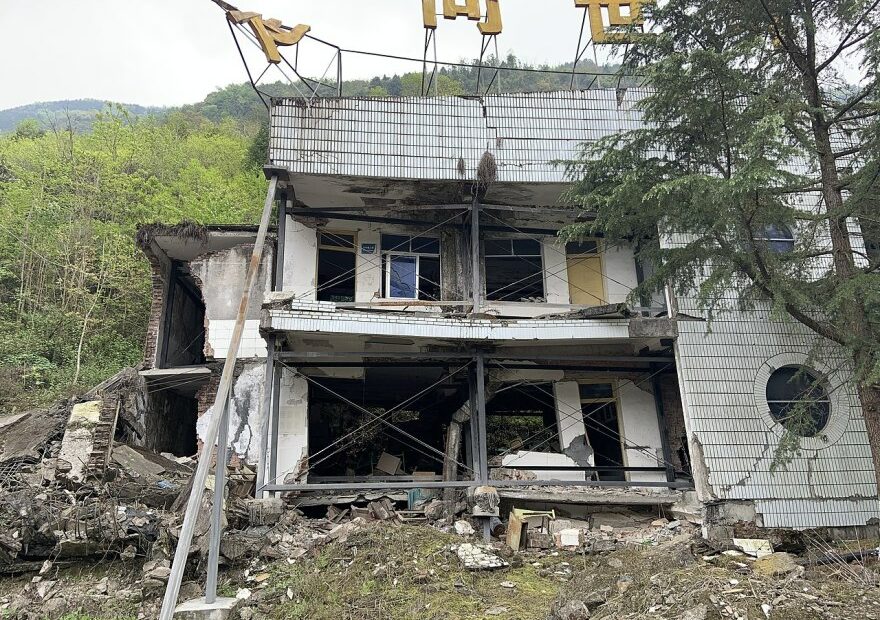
{"x": 402, "y": 279}
{"x": 526, "y": 247}
{"x": 497, "y": 247}
{"x": 337, "y": 240}
{"x": 395, "y": 243}
{"x": 429, "y": 278}
{"x": 425, "y": 245}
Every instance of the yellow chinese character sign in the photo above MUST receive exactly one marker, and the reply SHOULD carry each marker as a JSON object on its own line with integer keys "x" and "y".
{"x": 269, "y": 32}
{"x": 452, "y": 9}
{"x": 616, "y": 19}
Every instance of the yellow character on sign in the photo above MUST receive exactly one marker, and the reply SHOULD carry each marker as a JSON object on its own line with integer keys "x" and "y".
{"x": 269, "y": 32}
{"x": 616, "y": 19}
{"x": 452, "y": 9}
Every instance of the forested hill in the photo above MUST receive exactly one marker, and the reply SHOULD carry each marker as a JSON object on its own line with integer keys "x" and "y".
{"x": 240, "y": 102}
{"x": 78, "y": 112}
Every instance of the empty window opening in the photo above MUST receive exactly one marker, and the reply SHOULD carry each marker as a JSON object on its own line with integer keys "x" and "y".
{"x": 514, "y": 270}
{"x": 410, "y": 267}
{"x": 521, "y": 417}
{"x": 183, "y": 340}
{"x": 778, "y": 238}
{"x": 337, "y": 260}
{"x": 586, "y": 284}
{"x": 346, "y": 441}
{"x": 600, "y": 411}
{"x": 798, "y": 400}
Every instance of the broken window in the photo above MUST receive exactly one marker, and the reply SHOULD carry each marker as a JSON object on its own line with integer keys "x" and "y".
{"x": 411, "y": 267}
{"x": 798, "y": 400}
{"x": 599, "y": 408}
{"x": 514, "y": 270}
{"x": 336, "y": 266}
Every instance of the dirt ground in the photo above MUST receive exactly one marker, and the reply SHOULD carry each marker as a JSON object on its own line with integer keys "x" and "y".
{"x": 396, "y": 572}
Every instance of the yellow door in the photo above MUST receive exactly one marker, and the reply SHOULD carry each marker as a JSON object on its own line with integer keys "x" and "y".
{"x": 585, "y": 282}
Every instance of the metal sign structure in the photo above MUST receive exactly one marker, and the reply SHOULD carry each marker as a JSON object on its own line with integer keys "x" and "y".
{"x": 622, "y": 27}
{"x": 490, "y": 28}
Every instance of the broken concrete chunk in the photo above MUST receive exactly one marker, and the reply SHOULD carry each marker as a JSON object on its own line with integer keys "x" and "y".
{"x": 755, "y": 547}
{"x": 478, "y": 557}
{"x": 568, "y": 538}
{"x": 463, "y": 528}
{"x": 266, "y": 511}
{"x": 777, "y": 565}
{"x": 79, "y": 442}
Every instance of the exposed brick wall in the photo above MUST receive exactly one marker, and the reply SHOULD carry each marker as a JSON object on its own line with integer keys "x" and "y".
{"x": 674, "y": 413}
{"x": 157, "y": 293}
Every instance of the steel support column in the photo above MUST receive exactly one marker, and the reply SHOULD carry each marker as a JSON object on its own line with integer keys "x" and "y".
{"x": 664, "y": 430}
{"x": 276, "y": 406}
{"x": 266, "y": 413}
{"x": 476, "y": 271}
{"x": 217, "y": 506}
{"x": 479, "y": 416}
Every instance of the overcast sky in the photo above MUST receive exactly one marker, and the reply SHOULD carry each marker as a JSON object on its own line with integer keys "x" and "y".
{"x": 169, "y": 52}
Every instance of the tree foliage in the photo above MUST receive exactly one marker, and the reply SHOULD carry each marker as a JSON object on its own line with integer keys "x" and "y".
{"x": 69, "y": 269}
{"x": 760, "y": 114}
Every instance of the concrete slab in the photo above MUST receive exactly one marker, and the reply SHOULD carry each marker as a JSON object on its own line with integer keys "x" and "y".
{"x": 198, "y": 609}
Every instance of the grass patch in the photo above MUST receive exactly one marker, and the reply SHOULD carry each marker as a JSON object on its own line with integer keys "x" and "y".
{"x": 403, "y": 573}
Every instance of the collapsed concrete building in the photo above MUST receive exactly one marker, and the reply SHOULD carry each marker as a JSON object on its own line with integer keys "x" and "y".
{"x": 419, "y": 324}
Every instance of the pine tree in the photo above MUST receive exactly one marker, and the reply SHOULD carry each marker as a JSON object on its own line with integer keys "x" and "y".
{"x": 739, "y": 92}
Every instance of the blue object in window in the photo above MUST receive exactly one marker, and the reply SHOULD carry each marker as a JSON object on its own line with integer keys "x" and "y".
{"x": 403, "y": 276}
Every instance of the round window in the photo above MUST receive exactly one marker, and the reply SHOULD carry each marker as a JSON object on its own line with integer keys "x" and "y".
{"x": 778, "y": 238}
{"x": 798, "y": 400}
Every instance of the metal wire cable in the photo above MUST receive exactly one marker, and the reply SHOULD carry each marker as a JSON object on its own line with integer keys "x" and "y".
{"x": 369, "y": 423}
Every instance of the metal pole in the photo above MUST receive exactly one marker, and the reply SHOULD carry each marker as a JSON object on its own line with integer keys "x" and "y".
{"x": 481, "y": 419}
{"x": 664, "y": 430}
{"x": 280, "y": 242}
{"x": 268, "y": 390}
{"x": 475, "y": 430}
{"x": 217, "y": 509}
{"x": 475, "y": 252}
{"x": 181, "y": 553}
{"x": 276, "y": 405}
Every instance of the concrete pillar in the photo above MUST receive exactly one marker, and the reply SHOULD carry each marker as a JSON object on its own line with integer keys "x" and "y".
{"x": 368, "y": 281}
{"x": 293, "y": 423}
{"x": 555, "y": 286}
{"x": 569, "y": 418}
{"x": 300, "y": 260}
{"x": 638, "y": 424}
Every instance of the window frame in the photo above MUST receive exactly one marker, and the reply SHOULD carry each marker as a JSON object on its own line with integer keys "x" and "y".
{"x": 816, "y": 381}
{"x": 769, "y": 241}
{"x": 387, "y": 257}
{"x": 336, "y": 248}
{"x": 513, "y": 256}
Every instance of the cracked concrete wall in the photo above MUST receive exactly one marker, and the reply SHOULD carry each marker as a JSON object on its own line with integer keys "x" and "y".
{"x": 245, "y": 411}
{"x": 723, "y": 369}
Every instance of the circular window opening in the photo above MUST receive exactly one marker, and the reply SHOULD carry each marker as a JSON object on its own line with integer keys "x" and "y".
{"x": 798, "y": 400}
{"x": 777, "y": 237}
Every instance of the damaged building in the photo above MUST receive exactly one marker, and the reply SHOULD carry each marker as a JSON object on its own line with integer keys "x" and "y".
{"x": 419, "y": 324}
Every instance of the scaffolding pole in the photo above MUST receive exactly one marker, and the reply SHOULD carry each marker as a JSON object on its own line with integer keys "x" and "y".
{"x": 220, "y": 403}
